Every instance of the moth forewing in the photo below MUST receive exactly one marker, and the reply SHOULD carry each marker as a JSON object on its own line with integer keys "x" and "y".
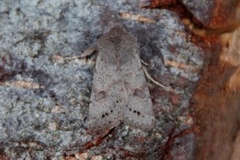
{"x": 119, "y": 92}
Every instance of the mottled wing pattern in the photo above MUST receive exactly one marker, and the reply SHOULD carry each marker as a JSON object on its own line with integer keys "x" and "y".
{"x": 119, "y": 90}
{"x": 108, "y": 91}
{"x": 139, "y": 111}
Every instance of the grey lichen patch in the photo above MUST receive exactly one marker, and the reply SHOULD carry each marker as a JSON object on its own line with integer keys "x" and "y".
{"x": 53, "y": 116}
{"x": 201, "y": 9}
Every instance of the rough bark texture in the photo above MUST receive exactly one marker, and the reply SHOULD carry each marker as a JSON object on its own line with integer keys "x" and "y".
{"x": 216, "y": 14}
{"x": 217, "y": 105}
{"x": 45, "y": 86}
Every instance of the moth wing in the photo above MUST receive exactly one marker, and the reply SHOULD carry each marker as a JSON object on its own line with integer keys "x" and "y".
{"x": 106, "y": 111}
{"x": 102, "y": 115}
{"x": 103, "y": 112}
{"x": 119, "y": 89}
{"x": 139, "y": 112}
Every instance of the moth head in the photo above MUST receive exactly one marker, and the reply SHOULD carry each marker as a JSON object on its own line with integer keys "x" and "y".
{"x": 114, "y": 25}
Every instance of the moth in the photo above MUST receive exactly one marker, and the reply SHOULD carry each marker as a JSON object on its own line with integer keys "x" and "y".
{"x": 119, "y": 89}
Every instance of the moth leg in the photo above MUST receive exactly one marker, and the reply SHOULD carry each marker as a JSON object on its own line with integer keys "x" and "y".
{"x": 89, "y": 53}
{"x": 86, "y": 57}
